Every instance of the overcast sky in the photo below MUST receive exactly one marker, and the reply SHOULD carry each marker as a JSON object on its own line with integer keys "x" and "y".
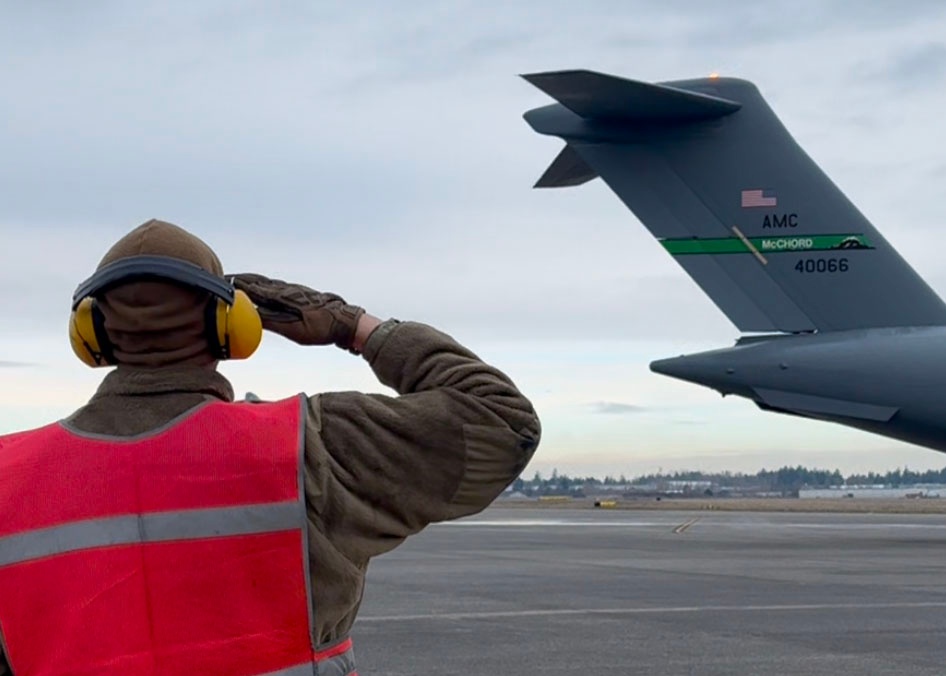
{"x": 380, "y": 153}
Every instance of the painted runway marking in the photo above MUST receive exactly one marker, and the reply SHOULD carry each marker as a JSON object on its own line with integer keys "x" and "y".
{"x": 652, "y": 611}
{"x": 527, "y": 523}
{"x": 761, "y": 525}
{"x": 686, "y": 524}
{"x": 863, "y": 526}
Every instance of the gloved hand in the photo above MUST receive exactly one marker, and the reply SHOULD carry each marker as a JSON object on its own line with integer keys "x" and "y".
{"x": 299, "y": 313}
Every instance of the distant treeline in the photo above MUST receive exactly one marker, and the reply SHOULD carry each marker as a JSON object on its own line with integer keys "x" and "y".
{"x": 783, "y": 479}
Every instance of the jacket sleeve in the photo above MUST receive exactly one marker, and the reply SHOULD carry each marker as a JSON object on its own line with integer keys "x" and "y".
{"x": 383, "y": 467}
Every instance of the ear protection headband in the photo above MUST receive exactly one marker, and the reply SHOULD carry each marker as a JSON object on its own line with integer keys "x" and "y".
{"x": 234, "y": 328}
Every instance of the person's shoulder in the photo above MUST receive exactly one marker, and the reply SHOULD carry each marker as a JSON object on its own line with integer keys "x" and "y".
{"x": 10, "y": 437}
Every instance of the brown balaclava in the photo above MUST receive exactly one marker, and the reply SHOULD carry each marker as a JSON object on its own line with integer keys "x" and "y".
{"x": 154, "y": 324}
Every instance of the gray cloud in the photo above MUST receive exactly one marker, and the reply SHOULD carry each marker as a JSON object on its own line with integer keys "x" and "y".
{"x": 616, "y": 408}
{"x": 6, "y": 364}
{"x": 719, "y": 28}
{"x": 912, "y": 68}
{"x": 924, "y": 64}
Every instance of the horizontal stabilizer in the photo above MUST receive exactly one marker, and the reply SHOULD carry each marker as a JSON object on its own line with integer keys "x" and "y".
{"x": 568, "y": 169}
{"x": 596, "y": 96}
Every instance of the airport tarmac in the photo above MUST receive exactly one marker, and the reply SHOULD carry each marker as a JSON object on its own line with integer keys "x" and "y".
{"x": 517, "y": 591}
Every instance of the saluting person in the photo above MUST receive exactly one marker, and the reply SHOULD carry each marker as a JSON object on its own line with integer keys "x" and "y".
{"x": 166, "y": 528}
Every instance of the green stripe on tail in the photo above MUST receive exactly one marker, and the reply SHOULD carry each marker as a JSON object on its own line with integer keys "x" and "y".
{"x": 765, "y": 245}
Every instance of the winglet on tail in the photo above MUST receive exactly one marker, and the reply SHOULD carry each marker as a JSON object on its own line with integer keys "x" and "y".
{"x": 568, "y": 169}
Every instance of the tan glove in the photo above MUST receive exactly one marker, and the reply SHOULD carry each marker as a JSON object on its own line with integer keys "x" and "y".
{"x": 299, "y": 313}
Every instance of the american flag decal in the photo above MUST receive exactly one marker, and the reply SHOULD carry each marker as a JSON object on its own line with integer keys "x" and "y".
{"x": 758, "y": 198}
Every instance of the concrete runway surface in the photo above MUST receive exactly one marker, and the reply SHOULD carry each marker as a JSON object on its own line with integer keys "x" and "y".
{"x": 519, "y": 591}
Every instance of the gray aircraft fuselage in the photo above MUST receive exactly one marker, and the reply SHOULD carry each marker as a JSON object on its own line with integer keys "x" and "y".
{"x": 886, "y": 381}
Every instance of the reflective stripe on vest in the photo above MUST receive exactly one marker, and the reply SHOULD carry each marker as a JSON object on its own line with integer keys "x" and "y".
{"x": 183, "y": 551}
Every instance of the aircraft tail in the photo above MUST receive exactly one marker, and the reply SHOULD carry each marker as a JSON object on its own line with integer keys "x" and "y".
{"x": 711, "y": 172}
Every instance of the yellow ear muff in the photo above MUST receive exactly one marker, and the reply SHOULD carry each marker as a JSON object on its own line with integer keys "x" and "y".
{"x": 239, "y": 327}
{"x": 233, "y": 326}
{"x": 84, "y": 335}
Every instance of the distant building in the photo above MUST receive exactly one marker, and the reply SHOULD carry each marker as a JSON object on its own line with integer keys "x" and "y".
{"x": 682, "y": 485}
{"x": 881, "y": 492}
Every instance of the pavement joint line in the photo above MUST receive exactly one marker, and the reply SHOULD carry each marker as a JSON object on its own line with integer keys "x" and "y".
{"x": 648, "y": 611}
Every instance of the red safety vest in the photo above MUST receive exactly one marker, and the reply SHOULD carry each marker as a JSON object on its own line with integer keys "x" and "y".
{"x": 183, "y": 551}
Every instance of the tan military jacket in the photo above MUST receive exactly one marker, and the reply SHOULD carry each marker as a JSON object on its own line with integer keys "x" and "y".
{"x": 378, "y": 468}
